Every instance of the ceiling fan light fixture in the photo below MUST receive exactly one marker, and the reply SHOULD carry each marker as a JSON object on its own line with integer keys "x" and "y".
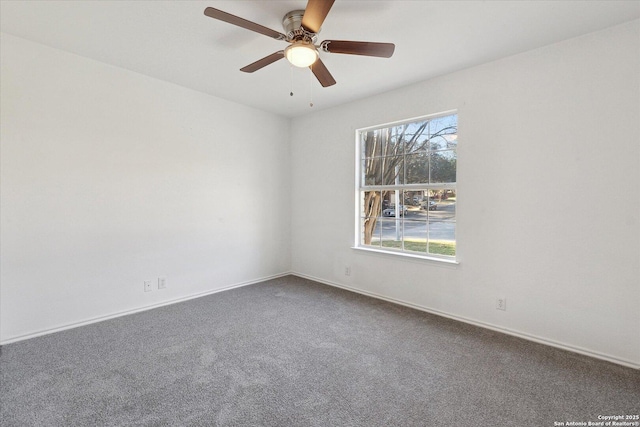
{"x": 301, "y": 54}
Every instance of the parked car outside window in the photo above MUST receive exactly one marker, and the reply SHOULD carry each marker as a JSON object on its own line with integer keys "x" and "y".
{"x": 431, "y": 205}
{"x": 392, "y": 211}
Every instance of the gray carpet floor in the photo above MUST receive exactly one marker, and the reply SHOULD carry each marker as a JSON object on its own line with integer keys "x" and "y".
{"x": 292, "y": 352}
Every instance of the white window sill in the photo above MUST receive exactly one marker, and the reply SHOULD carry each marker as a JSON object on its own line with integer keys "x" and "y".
{"x": 407, "y": 255}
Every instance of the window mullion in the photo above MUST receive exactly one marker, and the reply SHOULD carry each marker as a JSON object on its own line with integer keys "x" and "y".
{"x": 438, "y": 186}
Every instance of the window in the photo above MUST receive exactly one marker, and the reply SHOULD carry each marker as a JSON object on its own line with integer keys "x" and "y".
{"x": 406, "y": 186}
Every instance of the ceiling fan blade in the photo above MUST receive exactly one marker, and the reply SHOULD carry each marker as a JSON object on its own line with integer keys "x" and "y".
{"x": 240, "y": 22}
{"x": 322, "y": 74}
{"x": 315, "y": 13}
{"x": 263, "y": 62}
{"x": 382, "y": 50}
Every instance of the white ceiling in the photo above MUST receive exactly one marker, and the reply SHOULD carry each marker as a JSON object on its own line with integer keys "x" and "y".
{"x": 174, "y": 41}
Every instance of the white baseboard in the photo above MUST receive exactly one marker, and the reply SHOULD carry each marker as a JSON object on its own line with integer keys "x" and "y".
{"x": 138, "y": 310}
{"x": 529, "y": 337}
{"x": 523, "y": 335}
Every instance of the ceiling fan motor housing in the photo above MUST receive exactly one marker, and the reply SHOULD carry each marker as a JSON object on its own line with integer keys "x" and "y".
{"x": 292, "y": 24}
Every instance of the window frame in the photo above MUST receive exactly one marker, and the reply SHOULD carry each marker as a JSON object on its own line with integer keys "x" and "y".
{"x": 361, "y": 188}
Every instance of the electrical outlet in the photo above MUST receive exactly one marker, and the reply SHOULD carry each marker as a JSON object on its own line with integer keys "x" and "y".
{"x": 501, "y": 303}
{"x": 162, "y": 283}
{"x": 147, "y": 286}
{"x": 347, "y": 271}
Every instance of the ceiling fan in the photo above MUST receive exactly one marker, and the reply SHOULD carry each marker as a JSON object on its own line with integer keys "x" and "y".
{"x": 301, "y": 29}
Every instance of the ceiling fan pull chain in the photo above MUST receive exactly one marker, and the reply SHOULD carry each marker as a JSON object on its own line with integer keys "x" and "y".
{"x": 311, "y": 86}
{"x": 291, "y": 79}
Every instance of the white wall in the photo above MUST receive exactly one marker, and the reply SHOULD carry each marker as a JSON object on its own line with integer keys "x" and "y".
{"x": 110, "y": 178}
{"x": 548, "y": 195}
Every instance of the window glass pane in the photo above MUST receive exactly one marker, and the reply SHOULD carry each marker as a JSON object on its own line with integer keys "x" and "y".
{"x": 442, "y": 237}
{"x": 415, "y": 136}
{"x": 392, "y": 170}
{"x": 371, "y": 171}
{"x": 414, "y": 198}
{"x": 388, "y": 197}
{"x": 391, "y": 233}
{"x": 442, "y": 205}
{"x": 415, "y": 235}
{"x": 427, "y": 202}
{"x": 371, "y": 204}
{"x": 391, "y": 199}
{"x": 392, "y": 144}
{"x": 442, "y": 248}
{"x": 371, "y": 144}
{"x": 443, "y": 166}
{"x": 396, "y": 144}
{"x": 411, "y": 209}
{"x": 444, "y": 142}
{"x": 417, "y": 168}
{"x": 443, "y": 132}
{"x": 370, "y": 231}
